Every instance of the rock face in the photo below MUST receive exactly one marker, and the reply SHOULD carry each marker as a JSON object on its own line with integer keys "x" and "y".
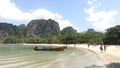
{"x": 68, "y": 30}
{"x": 35, "y": 28}
{"x": 7, "y": 29}
{"x": 42, "y": 27}
{"x": 3, "y": 33}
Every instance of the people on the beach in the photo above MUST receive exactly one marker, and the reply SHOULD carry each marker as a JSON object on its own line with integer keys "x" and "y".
{"x": 88, "y": 45}
{"x": 101, "y": 47}
{"x": 104, "y": 48}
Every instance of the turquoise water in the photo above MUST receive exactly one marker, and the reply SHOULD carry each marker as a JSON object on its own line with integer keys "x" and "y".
{"x": 19, "y": 56}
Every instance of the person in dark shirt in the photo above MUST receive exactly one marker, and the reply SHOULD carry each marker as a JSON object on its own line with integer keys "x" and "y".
{"x": 101, "y": 47}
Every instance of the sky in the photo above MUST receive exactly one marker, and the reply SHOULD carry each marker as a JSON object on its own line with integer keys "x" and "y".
{"x": 80, "y": 14}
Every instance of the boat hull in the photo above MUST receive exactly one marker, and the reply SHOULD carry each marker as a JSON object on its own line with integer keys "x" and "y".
{"x": 51, "y": 49}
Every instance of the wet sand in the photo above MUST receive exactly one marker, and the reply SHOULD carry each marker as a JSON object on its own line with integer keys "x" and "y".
{"x": 111, "y": 58}
{"x": 20, "y": 56}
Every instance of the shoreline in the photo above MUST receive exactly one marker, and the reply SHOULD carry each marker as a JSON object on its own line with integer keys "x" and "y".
{"x": 71, "y": 57}
{"x": 109, "y": 58}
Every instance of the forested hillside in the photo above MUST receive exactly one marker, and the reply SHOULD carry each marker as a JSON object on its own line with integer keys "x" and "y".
{"x": 48, "y": 31}
{"x": 42, "y": 27}
{"x": 33, "y": 29}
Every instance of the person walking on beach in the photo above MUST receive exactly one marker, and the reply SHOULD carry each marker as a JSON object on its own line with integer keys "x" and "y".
{"x": 104, "y": 48}
{"x": 88, "y": 45}
{"x": 101, "y": 47}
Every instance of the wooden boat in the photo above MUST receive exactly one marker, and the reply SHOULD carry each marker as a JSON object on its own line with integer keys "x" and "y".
{"x": 50, "y": 49}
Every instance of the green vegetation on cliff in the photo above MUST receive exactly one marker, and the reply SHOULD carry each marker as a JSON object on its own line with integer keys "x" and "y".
{"x": 68, "y": 30}
{"x": 42, "y": 27}
{"x": 7, "y": 29}
{"x": 48, "y": 31}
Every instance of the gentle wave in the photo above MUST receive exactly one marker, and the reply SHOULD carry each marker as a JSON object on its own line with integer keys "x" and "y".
{"x": 26, "y": 57}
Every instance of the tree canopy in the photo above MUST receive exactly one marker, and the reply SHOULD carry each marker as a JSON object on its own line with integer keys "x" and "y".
{"x": 112, "y": 35}
{"x": 48, "y": 31}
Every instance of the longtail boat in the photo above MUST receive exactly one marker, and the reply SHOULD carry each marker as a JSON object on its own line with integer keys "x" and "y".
{"x": 50, "y": 49}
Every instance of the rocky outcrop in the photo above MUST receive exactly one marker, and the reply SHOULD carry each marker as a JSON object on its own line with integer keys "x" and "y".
{"x": 7, "y": 29}
{"x": 41, "y": 27}
{"x": 3, "y": 33}
{"x": 35, "y": 28}
{"x": 68, "y": 30}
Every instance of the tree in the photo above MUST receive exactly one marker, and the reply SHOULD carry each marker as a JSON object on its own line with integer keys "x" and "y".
{"x": 112, "y": 35}
{"x": 68, "y": 39}
{"x": 11, "y": 39}
{"x": 82, "y": 37}
{"x": 21, "y": 30}
{"x": 91, "y": 37}
{"x": 96, "y": 38}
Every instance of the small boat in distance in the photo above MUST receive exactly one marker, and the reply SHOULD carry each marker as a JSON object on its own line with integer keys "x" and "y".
{"x": 50, "y": 49}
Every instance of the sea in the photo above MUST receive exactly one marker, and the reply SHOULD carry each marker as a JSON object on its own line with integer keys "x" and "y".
{"x": 24, "y": 56}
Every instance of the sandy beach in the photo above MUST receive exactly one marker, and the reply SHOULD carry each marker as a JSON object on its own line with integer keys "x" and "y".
{"x": 111, "y": 58}
{"x": 23, "y": 56}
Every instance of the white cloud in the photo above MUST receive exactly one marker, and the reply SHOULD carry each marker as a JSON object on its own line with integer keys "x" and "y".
{"x": 89, "y": 2}
{"x": 100, "y": 20}
{"x": 8, "y": 10}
